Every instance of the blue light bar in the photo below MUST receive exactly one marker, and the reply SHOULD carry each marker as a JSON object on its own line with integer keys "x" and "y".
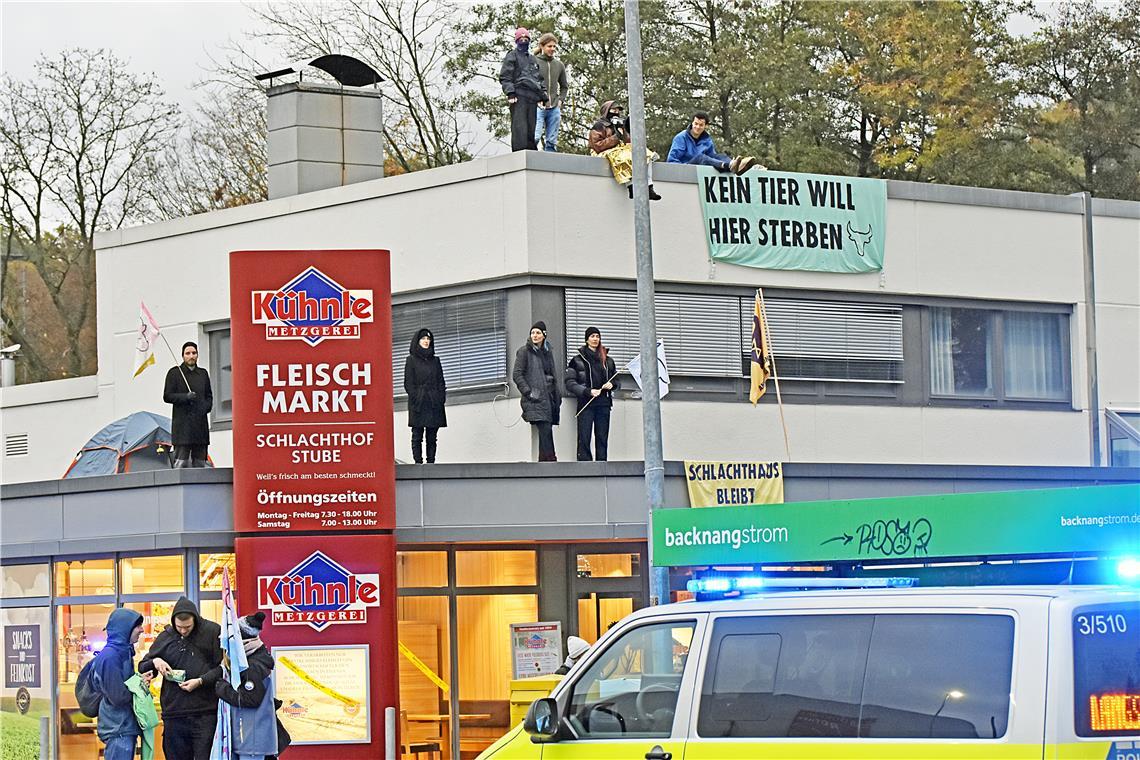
{"x": 1129, "y": 570}
{"x": 725, "y": 585}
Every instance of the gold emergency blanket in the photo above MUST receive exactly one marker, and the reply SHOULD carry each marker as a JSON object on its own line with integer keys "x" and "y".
{"x": 621, "y": 161}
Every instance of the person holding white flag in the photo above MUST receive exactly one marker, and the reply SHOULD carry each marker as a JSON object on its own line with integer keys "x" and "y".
{"x": 188, "y": 390}
{"x": 634, "y": 368}
{"x": 592, "y": 377}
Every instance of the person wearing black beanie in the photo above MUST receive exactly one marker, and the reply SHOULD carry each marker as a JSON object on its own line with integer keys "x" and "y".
{"x": 592, "y": 377}
{"x": 254, "y": 726}
{"x": 534, "y": 376}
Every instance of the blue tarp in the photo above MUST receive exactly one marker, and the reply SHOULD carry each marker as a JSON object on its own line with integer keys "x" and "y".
{"x": 140, "y": 441}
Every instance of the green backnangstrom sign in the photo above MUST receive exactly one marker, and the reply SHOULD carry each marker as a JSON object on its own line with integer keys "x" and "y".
{"x": 780, "y": 220}
{"x": 1103, "y": 519}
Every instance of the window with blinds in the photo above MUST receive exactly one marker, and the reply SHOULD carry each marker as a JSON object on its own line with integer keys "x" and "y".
{"x": 830, "y": 340}
{"x": 699, "y": 331}
{"x": 470, "y": 338}
{"x": 710, "y": 335}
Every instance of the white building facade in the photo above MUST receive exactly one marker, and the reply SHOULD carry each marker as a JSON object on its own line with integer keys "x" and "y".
{"x": 971, "y": 346}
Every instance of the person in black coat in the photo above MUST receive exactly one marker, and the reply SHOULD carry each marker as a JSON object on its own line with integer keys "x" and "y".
{"x": 427, "y": 394}
{"x": 188, "y": 389}
{"x": 592, "y": 377}
{"x": 190, "y": 644}
{"x": 257, "y": 733}
{"x": 541, "y": 400}
{"x": 522, "y": 84}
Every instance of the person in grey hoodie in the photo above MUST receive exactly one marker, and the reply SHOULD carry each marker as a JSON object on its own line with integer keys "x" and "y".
{"x": 553, "y": 73}
{"x": 118, "y": 728}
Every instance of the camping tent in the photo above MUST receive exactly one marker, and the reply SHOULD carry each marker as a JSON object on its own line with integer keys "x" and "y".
{"x": 140, "y": 441}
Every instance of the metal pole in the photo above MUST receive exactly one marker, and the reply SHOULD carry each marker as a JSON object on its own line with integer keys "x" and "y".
{"x": 1090, "y": 333}
{"x": 650, "y": 391}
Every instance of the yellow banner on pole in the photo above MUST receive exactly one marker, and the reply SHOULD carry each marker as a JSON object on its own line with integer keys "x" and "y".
{"x": 722, "y": 484}
{"x": 422, "y": 666}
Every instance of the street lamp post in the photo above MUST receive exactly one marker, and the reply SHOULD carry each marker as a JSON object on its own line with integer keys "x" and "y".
{"x": 650, "y": 391}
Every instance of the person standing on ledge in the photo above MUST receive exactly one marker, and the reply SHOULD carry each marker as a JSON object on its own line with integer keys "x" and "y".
{"x": 427, "y": 394}
{"x": 188, "y": 389}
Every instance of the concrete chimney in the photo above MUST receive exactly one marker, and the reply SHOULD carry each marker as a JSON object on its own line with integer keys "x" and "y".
{"x": 322, "y": 136}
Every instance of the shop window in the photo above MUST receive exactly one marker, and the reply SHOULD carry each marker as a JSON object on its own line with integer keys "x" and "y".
{"x": 421, "y": 569}
{"x": 425, "y": 667}
{"x": 91, "y": 577}
{"x": 623, "y": 565}
{"x": 470, "y": 337}
{"x": 156, "y": 616}
{"x": 485, "y": 663}
{"x": 22, "y": 581}
{"x": 146, "y": 575}
{"x": 495, "y": 568}
{"x": 211, "y": 567}
{"x": 1004, "y": 356}
{"x": 597, "y": 614}
{"x": 26, "y": 650}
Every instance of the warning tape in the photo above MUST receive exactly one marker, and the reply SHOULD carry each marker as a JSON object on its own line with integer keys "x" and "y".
{"x": 349, "y": 701}
{"x": 422, "y": 667}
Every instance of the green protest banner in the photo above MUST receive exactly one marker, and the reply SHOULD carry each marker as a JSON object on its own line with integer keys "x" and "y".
{"x": 779, "y": 220}
{"x": 1103, "y": 519}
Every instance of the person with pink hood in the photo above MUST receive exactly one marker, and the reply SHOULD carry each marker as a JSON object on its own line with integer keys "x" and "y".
{"x": 522, "y": 84}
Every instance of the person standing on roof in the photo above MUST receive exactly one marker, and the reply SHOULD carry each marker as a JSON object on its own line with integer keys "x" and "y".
{"x": 553, "y": 73}
{"x": 522, "y": 84}
{"x": 188, "y": 389}
{"x": 427, "y": 394}
{"x": 188, "y": 656}
{"x": 592, "y": 377}
{"x": 541, "y": 400}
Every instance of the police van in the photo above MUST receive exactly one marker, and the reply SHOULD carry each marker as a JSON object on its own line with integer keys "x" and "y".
{"x": 889, "y": 673}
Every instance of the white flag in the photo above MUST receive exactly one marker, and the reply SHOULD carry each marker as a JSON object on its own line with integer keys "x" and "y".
{"x": 634, "y": 367}
{"x": 147, "y": 333}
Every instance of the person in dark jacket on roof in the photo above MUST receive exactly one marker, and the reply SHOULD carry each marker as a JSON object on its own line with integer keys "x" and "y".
{"x": 188, "y": 656}
{"x": 256, "y": 731}
{"x": 609, "y": 138}
{"x": 427, "y": 394}
{"x": 188, "y": 389}
{"x": 541, "y": 398}
{"x": 118, "y": 728}
{"x": 522, "y": 84}
{"x": 694, "y": 145}
{"x": 592, "y": 377}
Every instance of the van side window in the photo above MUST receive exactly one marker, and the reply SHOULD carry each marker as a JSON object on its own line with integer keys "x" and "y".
{"x": 880, "y": 676}
{"x": 775, "y": 676}
{"x": 631, "y": 689}
{"x": 940, "y": 676}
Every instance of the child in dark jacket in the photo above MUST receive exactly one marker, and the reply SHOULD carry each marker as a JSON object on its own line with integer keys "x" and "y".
{"x": 118, "y": 727}
{"x": 255, "y": 728}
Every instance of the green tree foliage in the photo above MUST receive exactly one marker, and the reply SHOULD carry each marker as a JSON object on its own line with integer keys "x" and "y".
{"x": 1082, "y": 72}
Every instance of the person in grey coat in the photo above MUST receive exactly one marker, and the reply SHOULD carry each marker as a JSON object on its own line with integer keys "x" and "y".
{"x": 541, "y": 400}
{"x": 553, "y": 73}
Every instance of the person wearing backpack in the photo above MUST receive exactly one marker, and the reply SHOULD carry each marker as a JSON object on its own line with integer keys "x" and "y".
{"x": 118, "y": 727}
{"x": 188, "y": 655}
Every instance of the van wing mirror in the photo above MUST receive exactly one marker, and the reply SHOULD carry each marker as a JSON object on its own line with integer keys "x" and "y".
{"x": 542, "y": 721}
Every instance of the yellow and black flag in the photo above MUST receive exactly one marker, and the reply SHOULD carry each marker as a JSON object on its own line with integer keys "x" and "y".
{"x": 761, "y": 359}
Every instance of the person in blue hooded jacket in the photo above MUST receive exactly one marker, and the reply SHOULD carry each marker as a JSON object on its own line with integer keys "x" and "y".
{"x": 694, "y": 145}
{"x": 118, "y": 727}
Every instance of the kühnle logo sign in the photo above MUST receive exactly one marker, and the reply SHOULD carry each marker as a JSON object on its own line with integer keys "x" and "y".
{"x": 318, "y": 592}
{"x": 312, "y": 307}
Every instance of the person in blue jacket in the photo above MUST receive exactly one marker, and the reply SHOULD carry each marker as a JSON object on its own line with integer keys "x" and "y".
{"x": 694, "y": 145}
{"x": 118, "y": 728}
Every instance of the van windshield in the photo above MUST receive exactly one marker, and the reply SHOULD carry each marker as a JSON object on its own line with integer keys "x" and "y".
{"x": 1106, "y": 669}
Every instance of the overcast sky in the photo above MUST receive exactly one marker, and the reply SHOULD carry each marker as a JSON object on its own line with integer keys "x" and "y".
{"x": 171, "y": 39}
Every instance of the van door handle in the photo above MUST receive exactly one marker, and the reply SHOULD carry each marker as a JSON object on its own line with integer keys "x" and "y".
{"x": 658, "y": 754}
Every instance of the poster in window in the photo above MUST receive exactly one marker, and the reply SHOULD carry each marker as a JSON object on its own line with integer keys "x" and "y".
{"x": 536, "y": 648}
{"x": 324, "y": 693}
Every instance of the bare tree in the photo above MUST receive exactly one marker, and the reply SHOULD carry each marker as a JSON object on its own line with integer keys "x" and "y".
{"x": 75, "y": 145}
{"x": 406, "y": 42}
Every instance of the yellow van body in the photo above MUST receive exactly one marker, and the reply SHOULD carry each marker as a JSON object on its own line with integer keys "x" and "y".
{"x": 993, "y": 673}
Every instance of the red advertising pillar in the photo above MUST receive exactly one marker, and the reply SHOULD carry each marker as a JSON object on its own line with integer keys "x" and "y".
{"x": 314, "y": 487}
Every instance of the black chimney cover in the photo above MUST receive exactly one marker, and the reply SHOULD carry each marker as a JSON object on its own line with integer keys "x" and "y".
{"x": 347, "y": 70}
